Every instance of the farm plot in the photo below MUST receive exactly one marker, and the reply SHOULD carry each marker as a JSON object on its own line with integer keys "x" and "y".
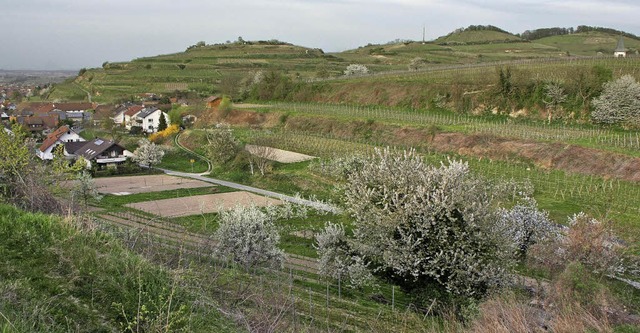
{"x": 201, "y": 204}
{"x": 278, "y": 155}
{"x": 144, "y": 184}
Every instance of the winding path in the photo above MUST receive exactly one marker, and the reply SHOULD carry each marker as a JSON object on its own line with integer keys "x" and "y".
{"x": 176, "y": 140}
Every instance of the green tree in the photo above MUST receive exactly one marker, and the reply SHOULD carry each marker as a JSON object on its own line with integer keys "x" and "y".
{"x": 25, "y": 181}
{"x": 85, "y": 188}
{"x": 175, "y": 117}
{"x": 162, "y": 124}
{"x": 62, "y": 168}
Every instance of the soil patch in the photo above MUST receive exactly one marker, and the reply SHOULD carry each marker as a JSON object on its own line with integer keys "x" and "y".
{"x": 202, "y": 204}
{"x": 279, "y": 155}
{"x": 144, "y": 184}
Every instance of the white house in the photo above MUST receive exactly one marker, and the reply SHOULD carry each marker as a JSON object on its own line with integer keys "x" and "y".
{"x": 149, "y": 119}
{"x": 620, "y": 51}
{"x": 55, "y": 138}
{"x": 131, "y": 116}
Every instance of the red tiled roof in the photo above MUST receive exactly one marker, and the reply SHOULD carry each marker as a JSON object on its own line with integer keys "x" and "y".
{"x": 132, "y": 110}
{"x": 73, "y": 106}
{"x": 53, "y": 137}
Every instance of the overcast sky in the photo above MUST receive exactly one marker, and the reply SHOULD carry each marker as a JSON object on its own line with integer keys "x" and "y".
{"x": 70, "y": 34}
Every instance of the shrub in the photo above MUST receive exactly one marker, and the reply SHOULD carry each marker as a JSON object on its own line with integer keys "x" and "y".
{"x": 356, "y": 69}
{"x": 160, "y": 136}
{"x": 526, "y": 225}
{"x": 619, "y": 102}
{"x": 249, "y": 237}
{"x": 222, "y": 145}
{"x": 419, "y": 225}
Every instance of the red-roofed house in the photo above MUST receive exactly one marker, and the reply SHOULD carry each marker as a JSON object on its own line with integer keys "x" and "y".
{"x": 57, "y": 137}
{"x": 130, "y": 116}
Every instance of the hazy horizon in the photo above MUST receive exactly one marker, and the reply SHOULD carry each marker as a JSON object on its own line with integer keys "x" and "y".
{"x": 71, "y": 34}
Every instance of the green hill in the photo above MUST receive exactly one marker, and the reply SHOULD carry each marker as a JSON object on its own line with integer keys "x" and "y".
{"x": 231, "y": 68}
{"x": 477, "y": 36}
{"x": 56, "y": 277}
{"x": 588, "y": 43}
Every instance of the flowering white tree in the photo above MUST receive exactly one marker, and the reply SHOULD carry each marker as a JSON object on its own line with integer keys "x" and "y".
{"x": 526, "y": 225}
{"x": 337, "y": 259}
{"x": 356, "y": 69}
{"x": 618, "y": 103}
{"x": 85, "y": 188}
{"x": 148, "y": 153}
{"x": 223, "y": 146}
{"x": 420, "y": 225}
{"x": 249, "y": 237}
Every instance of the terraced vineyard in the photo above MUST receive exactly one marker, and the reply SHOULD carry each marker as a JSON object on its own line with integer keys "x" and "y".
{"x": 311, "y": 301}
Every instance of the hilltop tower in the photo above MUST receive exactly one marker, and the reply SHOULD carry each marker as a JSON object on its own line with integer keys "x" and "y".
{"x": 620, "y": 51}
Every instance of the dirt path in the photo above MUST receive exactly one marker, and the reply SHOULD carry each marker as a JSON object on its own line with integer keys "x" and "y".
{"x": 176, "y": 140}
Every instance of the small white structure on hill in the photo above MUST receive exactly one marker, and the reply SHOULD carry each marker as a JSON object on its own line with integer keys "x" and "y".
{"x": 620, "y": 51}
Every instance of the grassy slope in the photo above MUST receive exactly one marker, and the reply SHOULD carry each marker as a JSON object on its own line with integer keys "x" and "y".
{"x": 482, "y": 36}
{"x": 56, "y": 278}
{"x": 588, "y": 43}
{"x": 206, "y": 67}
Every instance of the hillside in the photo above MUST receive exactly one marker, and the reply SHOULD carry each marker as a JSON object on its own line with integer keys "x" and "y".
{"x": 588, "y": 43}
{"x": 56, "y": 277}
{"x": 231, "y": 68}
{"x": 467, "y": 36}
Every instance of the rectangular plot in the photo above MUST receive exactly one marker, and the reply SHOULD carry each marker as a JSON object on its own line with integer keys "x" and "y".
{"x": 202, "y": 204}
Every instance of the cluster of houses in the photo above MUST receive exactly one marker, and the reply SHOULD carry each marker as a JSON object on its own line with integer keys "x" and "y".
{"x": 58, "y": 124}
{"x": 98, "y": 153}
{"x": 131, "y": 115}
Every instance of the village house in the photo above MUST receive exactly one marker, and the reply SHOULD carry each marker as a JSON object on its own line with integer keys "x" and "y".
{"x": 102, "y": 113}
{"x": 130, "y": 116}
{"x": 58, "y": 137}
{"x": 98, "y": 152}
{"x": 150, "y": 119}
{"x": 38, "y": 125}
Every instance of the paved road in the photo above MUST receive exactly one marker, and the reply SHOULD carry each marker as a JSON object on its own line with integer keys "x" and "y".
{"x": 314, "y": 204}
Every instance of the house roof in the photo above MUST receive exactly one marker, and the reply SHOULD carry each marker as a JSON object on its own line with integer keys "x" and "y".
{"x": 73, "y": 106}
{"x": 147, "y": 112}
{"x": 95, "y": 147}
{"x": 48, "y": 121}
{"x": 54, "y": 136}
{"x": 74, "y": 146}
{"x": 620, "y": 47}
{"x": 103, "y": 112}
{"x": 133, "y": 110}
